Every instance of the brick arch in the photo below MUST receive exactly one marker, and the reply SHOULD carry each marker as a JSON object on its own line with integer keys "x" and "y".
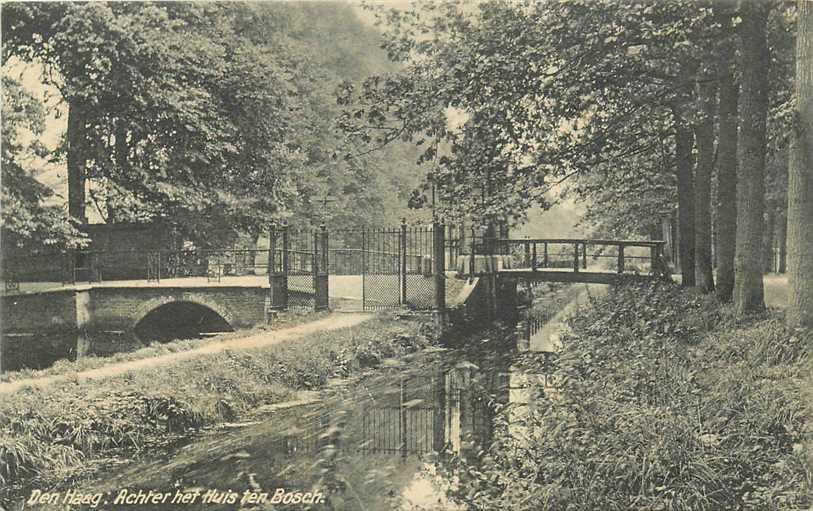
{"x": 154, "y": 303}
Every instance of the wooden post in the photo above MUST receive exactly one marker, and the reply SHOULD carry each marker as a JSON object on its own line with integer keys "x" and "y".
{"x": 576, "y": 257}
{"x": 545, "y": 256}
{"x": 528, "y": 252}
{"x": 621, "y": 258}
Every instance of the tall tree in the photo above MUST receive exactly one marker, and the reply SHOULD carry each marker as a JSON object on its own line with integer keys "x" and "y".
{"x": 726, "y": 205}
{"x": 753, "y": 111}
{"x": 704, "y": 138}
{"x": 684, "y": 141}
{"x": 800, "y": 179}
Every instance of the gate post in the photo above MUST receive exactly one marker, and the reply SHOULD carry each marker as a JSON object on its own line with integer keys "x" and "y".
{"x": 403, "y": 262}
{"x": 439, "y": 266}
{"x": 320, "y": 269}
{"x": 278, "y": 277}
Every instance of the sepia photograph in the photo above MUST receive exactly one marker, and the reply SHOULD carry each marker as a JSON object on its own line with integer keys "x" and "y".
{"x": 406, "y": 255}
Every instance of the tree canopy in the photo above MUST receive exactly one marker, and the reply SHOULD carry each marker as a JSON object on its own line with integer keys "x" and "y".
{"x": 216, "y": 115}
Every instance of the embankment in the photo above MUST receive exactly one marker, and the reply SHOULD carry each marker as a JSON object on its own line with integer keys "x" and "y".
{"x": 664, "y": 400}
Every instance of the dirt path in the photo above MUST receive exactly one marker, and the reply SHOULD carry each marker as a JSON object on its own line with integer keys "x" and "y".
{"x": 332, "y": 322}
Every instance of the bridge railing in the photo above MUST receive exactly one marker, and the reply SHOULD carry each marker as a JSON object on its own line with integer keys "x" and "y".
{"x": 108, "y": 265}
{"x": 622, "y": 256}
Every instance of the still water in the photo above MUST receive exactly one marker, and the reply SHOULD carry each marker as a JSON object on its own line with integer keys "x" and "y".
{"x": 375, "y": 441}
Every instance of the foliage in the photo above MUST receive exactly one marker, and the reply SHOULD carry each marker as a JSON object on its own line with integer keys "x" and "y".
{"x": 663, "y": 402}
{"x": 218, "y": 116}
{"x": 24, "y": 217}
{"x": 549, "y": 93}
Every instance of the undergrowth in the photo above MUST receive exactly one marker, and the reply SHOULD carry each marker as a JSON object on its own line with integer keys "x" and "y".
{"x": 664, "y": 401}
{"x": 53, "y": 435}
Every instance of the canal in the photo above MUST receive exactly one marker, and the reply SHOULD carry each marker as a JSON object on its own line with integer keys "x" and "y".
{"x": 385, "y": 438}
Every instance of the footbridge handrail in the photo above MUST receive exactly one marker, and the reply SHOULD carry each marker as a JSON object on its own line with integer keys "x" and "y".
{"x": 535, "y": 254}
{"x": 587, "y": 241}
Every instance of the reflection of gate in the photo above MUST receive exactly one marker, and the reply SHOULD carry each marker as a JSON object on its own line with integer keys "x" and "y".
{"x": 427, "y": 414}
{"x": 405, "y": 419}
{"x": 399, "y": 430}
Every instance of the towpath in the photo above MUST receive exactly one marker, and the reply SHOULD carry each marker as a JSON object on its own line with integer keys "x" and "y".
{"x": 332, "y": 322}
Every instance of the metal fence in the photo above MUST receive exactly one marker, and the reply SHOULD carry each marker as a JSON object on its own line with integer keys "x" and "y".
{"x": 109, "y": 265}
{"x": 369, "y": 269}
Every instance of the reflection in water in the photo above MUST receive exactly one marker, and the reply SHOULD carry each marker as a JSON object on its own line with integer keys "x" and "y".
{"x": 373, "y": 442}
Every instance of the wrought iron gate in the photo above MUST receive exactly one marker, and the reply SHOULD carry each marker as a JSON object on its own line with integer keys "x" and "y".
{"x": 379, "y": 269}
{"x": 382, "y": 275}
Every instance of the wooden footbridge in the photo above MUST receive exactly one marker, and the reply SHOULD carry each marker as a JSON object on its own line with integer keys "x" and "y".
{"x": 592, "y": 261}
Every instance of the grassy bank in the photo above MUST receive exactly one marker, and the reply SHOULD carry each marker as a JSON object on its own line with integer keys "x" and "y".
{"x": 51, "y": 436}
{"x": 666, "y": 402}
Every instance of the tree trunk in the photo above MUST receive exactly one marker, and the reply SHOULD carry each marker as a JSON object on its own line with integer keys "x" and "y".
{"x": 768, "y": 242}
{"x": 725, "y": 239}
{"x": 76, "y": 163}
{"x": 704, "y": 137}
{"x": 685, "y": 189}
{"x": 782, "y": 242}
{"x": 800, "y": 180}
{"x": 753, "y": 110}
{"x": 122, "y": 155}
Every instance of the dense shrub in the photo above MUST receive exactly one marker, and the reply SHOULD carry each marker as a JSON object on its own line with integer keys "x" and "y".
{"x": 664, "y": 402}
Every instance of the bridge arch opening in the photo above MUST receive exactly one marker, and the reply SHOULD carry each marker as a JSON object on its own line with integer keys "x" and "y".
{"x": 180, "y": 320}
